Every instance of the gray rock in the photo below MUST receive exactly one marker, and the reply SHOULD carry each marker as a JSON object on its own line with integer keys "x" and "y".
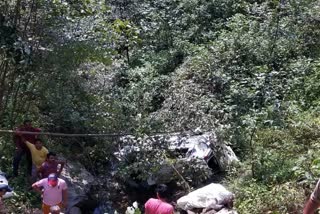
{"x": 227, "y": 211}
{"x": 75, "y": 210}
{"x": 79, "y": 182}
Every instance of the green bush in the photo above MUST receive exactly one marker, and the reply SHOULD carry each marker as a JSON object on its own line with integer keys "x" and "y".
{"x": 254, "y": 197}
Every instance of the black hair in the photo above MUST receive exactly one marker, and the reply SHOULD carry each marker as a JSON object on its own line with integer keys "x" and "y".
{"x": 51, "y": 154}
{"x": 5, "y": 187}
{"x": 38, "y": 139}
{"x": 163, "y": 191}
{"x": 26, "y": 121}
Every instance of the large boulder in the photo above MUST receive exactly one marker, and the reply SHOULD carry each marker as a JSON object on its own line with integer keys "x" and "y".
{"x": 213, "y": 196}
{"x": 79, "y": 182}
{"x": 211, "y": 199}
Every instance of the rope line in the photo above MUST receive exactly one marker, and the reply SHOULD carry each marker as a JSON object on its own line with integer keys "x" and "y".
{"x": 66, "y": 135}
{"x": 84, "y": 135}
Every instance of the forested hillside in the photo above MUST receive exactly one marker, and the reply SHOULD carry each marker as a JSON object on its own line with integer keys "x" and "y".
{"x": 247, "y": 70}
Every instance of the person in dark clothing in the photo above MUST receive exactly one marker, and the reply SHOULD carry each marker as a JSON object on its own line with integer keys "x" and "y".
{"x": 51, "y": 165}
{"x": 22, "y": 149}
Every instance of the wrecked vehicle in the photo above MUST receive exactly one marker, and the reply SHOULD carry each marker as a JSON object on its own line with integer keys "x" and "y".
{"x": 199, "y": 150}
{"x": 203, "y": 146}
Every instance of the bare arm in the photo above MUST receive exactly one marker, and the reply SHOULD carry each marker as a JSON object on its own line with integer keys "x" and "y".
{"x": 62, "y": 163}
{"x": 65, "y": 197}
{"x": 40, "y": 171}
{"x": 36, "y": 188}
{"x": 310, "y": 207}
{"x": 314, "y": 200}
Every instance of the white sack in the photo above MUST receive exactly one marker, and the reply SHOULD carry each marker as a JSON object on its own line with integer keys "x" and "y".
{"x": 212, "y": 195}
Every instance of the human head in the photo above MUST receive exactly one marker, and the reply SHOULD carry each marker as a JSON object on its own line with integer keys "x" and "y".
{"x": 38, "y": 144}
{"x": 51, "y": 156}
{"x": 27, "y": 123}
{"x": 2, "y": 192}
{"x": 162, "y": 191}
{"x": 3, "y": 189}
{"x": 53, "y": 179}
{"x": 55, "y": 209}
{"x": 4, "y": 186}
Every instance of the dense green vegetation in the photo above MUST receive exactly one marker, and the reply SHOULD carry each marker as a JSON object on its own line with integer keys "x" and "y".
{"x": 249, "y": 70}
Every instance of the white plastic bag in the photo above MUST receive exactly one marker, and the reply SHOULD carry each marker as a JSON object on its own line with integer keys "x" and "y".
{"x": 212, "y": 195}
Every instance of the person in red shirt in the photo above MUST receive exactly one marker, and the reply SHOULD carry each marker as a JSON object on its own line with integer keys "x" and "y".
{"x": 51, "y": 166}
{"x": 22, "y": 149}
{"x": 314, "y": 201}
{"x": 159, "y": 205}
